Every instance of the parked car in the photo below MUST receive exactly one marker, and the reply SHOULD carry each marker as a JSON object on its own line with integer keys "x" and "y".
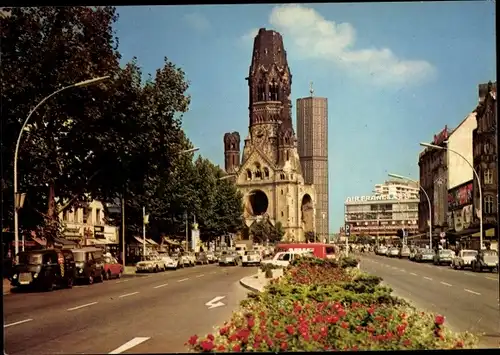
{"x": 393, "y": 252}
{"x": 170, "y": 262}
{"x": 212, "y": 258}
{"x": 381, "y": 250}
{"x": 425, "y": 255}
{"x": 485, "y": 259}
{"x": 251, "y": 257}
{"x": 463, "y": 259}
{"x": 89, "y": 264}
{"x": 185, "y": 260}
{"x": 201, "y": 258}
{"x": 192, "y": 258}
{"x": 404, "y": 252}
{"x": 112, "y": 268}
{"x": 44, "y": 269}
{"x": 443, "y": 256}
{"x": 151, "y": 263}
{"x": 230, "y": 258}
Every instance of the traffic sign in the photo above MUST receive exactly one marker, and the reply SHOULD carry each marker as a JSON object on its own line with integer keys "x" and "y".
{"x": 442, "y": 234}
{"x": 347, "y": 229}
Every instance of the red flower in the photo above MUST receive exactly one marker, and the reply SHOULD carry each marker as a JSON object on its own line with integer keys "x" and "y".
{"x": 290, "y": 329}
{"x": 333, "y": 319}
{"x": 237, "y": 348}
{"x": 233, "y": 337}
{"x": 250, "y": 322}
{"x": 269, "y": 342}
{"x": 371, "y": 310}
{"x": 316, "y": 336}
{"x": 459, "y": 344}
{"x": 407, "y": 342}
{"x": 262, "y": 314}
{"x": 439, "y": 320}
{"x": 256, "y": 345}
{"x": 207, "y": 345}
{"x": 284, "y": 346}
{"x": 275, "y": 322}
{"x": 344, "y": 325}
{"x": 355, "y": 348}
{"x": 279, "y": 335}
{"x": 221, "y": 348}
{"x": 223, "y": 330}
{"x": 210, "y": 337}
{"x": 193, "y": 340}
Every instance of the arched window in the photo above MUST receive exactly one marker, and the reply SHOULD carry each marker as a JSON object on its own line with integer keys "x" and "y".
{"x": 488, "y": 177}
{"x": 258, "y": 174}
{"x": 488, "y": 204}
{"x": 261, "y": 91}
{"x": 249, "y": 174}
{"x": 286, "y": 155}
{"x": 273, "y": 90}
{"x": 266, "y": 173}
{"x": 282, "y": 191}
{"x": 282, "y": 176}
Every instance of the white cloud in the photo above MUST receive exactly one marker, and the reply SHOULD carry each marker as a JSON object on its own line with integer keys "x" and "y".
{"x": 310, "y": 36}
{"x": 198, "y": 21}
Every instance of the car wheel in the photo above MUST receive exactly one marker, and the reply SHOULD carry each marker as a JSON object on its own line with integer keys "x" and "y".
{"x": 119, "y": 275}
{"x": 90, "y": 280}
{"x": 69, "y": 283}
{"x": 157, "y": 269}
{"x": 107, "y": 275}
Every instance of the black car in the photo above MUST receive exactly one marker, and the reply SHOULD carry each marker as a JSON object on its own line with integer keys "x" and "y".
{"x": 44, "y": 269}
{"x": 89, "y": 264}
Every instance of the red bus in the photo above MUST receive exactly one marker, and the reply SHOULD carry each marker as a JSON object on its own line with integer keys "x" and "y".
{"x": 319, "y": 250}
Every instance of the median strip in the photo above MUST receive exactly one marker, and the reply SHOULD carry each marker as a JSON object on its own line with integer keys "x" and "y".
{"x": 128, "y": 294}
{"x": 82, "y": 306}
{"x": 17, "y": 323}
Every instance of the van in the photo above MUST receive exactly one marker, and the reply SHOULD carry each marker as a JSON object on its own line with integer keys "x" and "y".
{"x": 319, "y": 250}
{"x": 283, "y": 258}
{"x": 89, "y": 263}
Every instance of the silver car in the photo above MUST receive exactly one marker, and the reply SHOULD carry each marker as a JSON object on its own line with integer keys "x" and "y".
{"x": 230, "y": 258}
{"x": 404, "y": 252}
{"x": 393, "y": 252}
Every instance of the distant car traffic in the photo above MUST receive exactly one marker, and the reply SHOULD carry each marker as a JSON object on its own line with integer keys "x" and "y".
{"x": 404, "y": 251}
{"x": 251, "y": 257}
{"x": 425, "y": 255}
{"x": 463, "y": 259}
{"x": 443, "y": 256}
{"x": 230, "y": 258}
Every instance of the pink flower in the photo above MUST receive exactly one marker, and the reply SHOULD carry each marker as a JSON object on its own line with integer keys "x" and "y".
{"x": 193, "y": 340}
{"x": 439, "y": 320}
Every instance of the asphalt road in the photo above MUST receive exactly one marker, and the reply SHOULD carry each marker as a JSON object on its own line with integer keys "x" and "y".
{"x": 143, "y": 314}
{"x": 468, "y": 300}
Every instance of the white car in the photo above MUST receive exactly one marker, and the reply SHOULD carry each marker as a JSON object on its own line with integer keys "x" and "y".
{"x": 382, "y": 250}
{"x": 151, "y": 263}
{"x": 463, "y": 259}
{"x": 170, "y": 262}
{"x": 283, "y": 258}
{"x": 251, "y": 257}
{"x": 393, "y": 252}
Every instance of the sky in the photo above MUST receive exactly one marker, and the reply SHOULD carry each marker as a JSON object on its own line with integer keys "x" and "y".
{"x": 394, "y": 74}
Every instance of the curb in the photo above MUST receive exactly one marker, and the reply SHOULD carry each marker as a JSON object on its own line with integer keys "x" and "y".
{"x": 248, "y": 287}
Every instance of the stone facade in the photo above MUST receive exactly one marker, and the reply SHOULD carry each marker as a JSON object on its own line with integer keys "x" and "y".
{"x": 434, "y": 180}
{"x": 485, "y": 155}
{"x": 270, "y": 175}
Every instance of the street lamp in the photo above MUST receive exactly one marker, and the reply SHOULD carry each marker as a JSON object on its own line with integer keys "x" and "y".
{"x": 428, "y": 201}
{"x": 433, "y": 146}
{"x": 16, "y": 152}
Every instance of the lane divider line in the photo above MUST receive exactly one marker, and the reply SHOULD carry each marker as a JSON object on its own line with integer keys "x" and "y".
{"x": 163, "y": 285}
{"x": 121, "y": 281}
{"x": 129, "y": 345}
{"x": 446, "y": 284}
{"x": 412, "y": 273}
{"x": 16, "y": 323}
{"x": 128, "y": 294}
{"x": 473, "y": 292}
{"x": 200, "y": 275}
{"x": 468, "y": 274}
{"x": 182, "y": 280}
{"x": 491, "y": 278}
{"x": 427, "y": 278}
{"x": 82, "y": 306}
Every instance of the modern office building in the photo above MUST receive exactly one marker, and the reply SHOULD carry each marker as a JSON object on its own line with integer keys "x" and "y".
{"x": 393, "y": 206}
{"x": 312, "y": 139}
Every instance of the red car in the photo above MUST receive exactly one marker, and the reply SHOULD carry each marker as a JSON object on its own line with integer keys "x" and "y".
{"x": 112, "y": 269}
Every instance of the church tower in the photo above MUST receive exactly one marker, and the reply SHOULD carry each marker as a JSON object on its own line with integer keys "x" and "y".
{"x": 231, "y": 152}
{"x": 270, "y": 176}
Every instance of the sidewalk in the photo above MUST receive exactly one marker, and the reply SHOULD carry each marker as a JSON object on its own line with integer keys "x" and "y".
{"x": 255, "y": 283}
{"x": 6, "y": 286}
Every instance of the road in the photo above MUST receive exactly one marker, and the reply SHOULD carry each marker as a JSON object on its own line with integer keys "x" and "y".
{"x": 468, "y": 300}
{"x": 143, "y": 314}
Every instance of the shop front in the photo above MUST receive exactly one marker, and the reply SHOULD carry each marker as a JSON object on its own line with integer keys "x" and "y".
{"x": 460, "y": 216}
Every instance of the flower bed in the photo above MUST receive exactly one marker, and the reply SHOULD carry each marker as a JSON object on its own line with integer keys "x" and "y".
{"x": 329, "y": 305}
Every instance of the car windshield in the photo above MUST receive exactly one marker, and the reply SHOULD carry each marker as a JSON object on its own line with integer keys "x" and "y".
{"x": 79, "y": 256}
{"x": 490, "y": 253}
{"x": 446, "y": 252}
{"x": 469, "y": 253}
{"x": 30, "y": 258}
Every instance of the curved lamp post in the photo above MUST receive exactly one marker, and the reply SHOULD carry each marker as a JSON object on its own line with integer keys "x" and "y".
{"x": 17, "y": 201}
{"x": 478, "y": 184}
{"x": 428, "y": 201}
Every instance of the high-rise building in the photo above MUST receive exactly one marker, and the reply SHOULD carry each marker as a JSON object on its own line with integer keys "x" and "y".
{"x": 312, "y": 133}
{"x": 269, "y": 174}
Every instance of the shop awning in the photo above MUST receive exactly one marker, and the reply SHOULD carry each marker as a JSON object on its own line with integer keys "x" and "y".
{"x": 62, "y": 241}
{"x": 170, "y": 241}
{"x": 489, "y": 233}
{"x": 139, "y": 240}
{"x": 152, "y": 242}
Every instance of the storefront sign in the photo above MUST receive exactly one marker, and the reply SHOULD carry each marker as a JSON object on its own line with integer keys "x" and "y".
{"x": 371, "y": 198}
{"x": 98, "y": 229}
{"x": 462, "y": 218}
{"x": 460, "y": 196}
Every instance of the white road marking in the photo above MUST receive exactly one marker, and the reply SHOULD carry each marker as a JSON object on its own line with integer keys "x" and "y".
{"x": 181, "y": 280}
{"x": 119, "y": 282}
{"x": 412, "y": 273}
{"x": 128, "y": 294}
{"x": 160, "y": 286}
{"x": 473, "y": 292}
{"x": 16, "y": 323}
{"x": 216, "y": 302}
{"x": 445, "y": 283}
{"x": 402, "y": 270}
{"x": 129, "y": 345}
{"x": 491, "y": 278}
{"x": 201, "y": 275}
{"x": 468, "y": 274}
{"x": 82, "y": 306}
{"x": 213, "y": 272}
{"x": 427, "y": 278}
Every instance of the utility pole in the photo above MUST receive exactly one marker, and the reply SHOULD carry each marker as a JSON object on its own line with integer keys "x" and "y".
{"x": 144, "y": 233}
{"x": 123, "y": 230}
{"x": 187, "y": 230}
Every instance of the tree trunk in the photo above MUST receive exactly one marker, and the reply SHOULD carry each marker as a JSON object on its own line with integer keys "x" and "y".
{"x": 51, "y": 215}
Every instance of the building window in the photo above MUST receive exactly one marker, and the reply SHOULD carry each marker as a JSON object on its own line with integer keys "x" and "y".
{"x": 249, "y": 174}
{"x": 86, "y": 213}
{"x": 282, "y": 214}
{"x": 266, "y": 173}
{"x": 488, "y": 205}
{"x": 282, "y": 176}
{"x": 488, "y": 176}
{"x": 97, "y": 216}
{"x": 282, "y": 191}
{"x": 287, "y": 156}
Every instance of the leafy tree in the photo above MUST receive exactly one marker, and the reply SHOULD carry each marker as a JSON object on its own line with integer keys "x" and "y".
{"x": 276, "y": 233}
{"x": 260, "y": 231}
